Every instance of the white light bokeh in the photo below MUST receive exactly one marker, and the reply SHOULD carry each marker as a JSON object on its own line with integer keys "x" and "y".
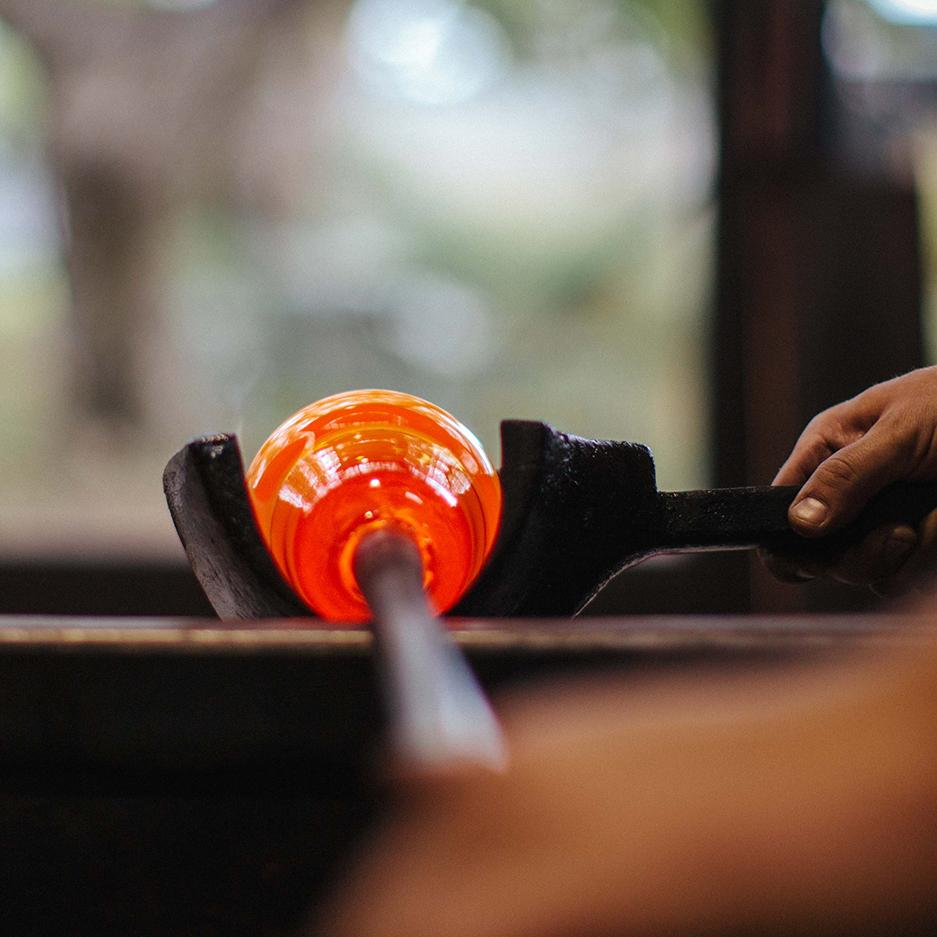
{"x": 912, "y": 12}
{"x": 434, "y": 52}
{"x": 440, "y": 324}
{"x": 180, "y": 4}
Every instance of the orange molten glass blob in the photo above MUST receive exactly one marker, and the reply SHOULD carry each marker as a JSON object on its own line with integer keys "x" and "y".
{"x": 370, "y": 460}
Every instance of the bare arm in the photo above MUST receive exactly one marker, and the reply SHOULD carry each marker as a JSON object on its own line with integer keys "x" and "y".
{"x": 805, "y": 803}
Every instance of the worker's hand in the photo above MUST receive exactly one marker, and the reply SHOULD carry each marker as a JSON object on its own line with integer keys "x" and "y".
{"x": 789, "y": 805}
{"x": 846, "y": 455}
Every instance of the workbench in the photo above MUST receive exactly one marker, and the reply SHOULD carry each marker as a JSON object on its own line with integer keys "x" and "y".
{"x": 188, "y": 777}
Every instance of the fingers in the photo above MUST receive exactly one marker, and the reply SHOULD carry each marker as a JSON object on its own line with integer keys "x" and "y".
{"x": 844, "y": 482}
{"x": 881, "y": 555}
{"x": 826, "y": 433}
{"x": 918, "y": 572}
{"x": 787, "y": 568}
{"x": 878, "y": 558}
{"x": 811, "y": 449}
{"x": 844, "y": 457}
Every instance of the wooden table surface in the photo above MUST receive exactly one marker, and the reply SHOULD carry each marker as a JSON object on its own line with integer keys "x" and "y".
{"x": 304, "y": 635}
{"x": 115, "y": 695}
{"x": 182, "y": 777}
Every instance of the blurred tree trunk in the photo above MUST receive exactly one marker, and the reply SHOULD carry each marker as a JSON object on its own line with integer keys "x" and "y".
{"x": 116, "y": 259}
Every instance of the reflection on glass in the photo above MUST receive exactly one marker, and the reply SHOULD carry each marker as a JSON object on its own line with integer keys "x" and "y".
{"x": 366, "y": 461}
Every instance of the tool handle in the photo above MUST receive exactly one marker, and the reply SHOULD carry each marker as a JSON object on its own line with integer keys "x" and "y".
{"x": 738, "y": 518}
{"x": 440, "y": 718}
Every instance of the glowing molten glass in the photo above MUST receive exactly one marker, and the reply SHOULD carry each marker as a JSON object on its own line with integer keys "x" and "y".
{"x": 370, "y": 460}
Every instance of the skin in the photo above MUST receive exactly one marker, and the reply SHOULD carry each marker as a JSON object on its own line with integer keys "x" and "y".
{"x": 792, "y": 802}
{"x": 801, "y": 802}
{"x": 846, "y": 455}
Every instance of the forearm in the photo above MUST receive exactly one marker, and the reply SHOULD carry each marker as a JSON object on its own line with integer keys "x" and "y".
{"x": 803, "y": 801}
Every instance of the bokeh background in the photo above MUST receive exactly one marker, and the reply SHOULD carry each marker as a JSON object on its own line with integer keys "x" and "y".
{"x": 212, "y": 213}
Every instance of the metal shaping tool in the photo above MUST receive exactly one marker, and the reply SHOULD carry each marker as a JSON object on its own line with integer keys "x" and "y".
{"x": 440, "y": 717}
{"x": 576, "y": 512}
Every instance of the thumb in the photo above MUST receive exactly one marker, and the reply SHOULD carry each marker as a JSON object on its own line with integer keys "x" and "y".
{"x": 843, "y": 483}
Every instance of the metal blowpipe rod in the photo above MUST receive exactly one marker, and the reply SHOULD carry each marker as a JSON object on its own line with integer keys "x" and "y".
{"x": 440, "y": 717}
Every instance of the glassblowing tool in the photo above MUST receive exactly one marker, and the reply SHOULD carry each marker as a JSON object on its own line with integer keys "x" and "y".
{"x": 574, "y": 513}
